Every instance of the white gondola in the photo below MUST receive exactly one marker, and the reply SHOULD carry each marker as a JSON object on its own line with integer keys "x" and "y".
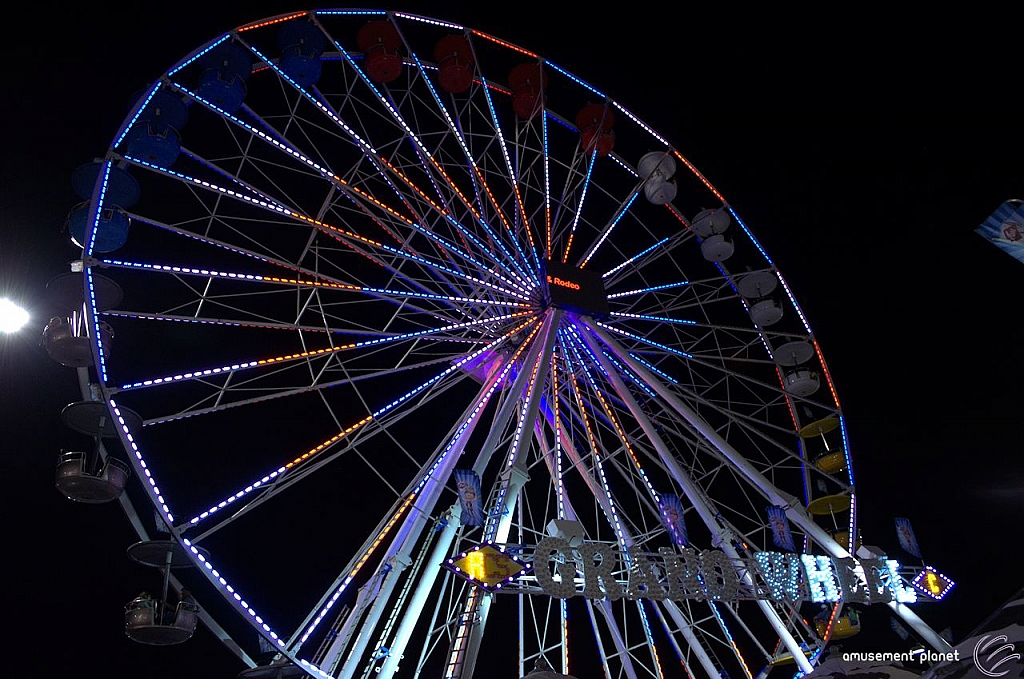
{"x": 146, "y": 623}
{"x": 157, "y": 622}
{"x": 656, "y": 169}
{"x": 757, "y": 288}
{"x": 76, "y": 482}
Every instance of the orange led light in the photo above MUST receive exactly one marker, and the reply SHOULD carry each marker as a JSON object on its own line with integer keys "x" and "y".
{"x": 515, "y": 48}
{"x": 271, "y": 22}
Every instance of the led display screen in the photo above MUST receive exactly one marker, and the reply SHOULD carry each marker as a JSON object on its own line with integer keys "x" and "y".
{"x": 575, "y": 289}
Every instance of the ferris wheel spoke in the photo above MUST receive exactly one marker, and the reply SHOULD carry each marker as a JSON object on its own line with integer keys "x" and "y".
{"x": 606, "y": 231}
{"x": 500, "y": 418}
{"x": 344, "y": 442}
{"x": 644, "y": 485}
{"x": 375, "y": 344}
{"x": 387, "y": 256}
{"x": 674, "y": 642}
{"x": 697, "y": 496}
{"x": 730, "y": 639}
{"x": 756, "y": 479}
{"x": 577, "y": 194}
{"x": 566, "y": 510}
{"x": 762, "y": 435}
{"x": 512, "y": 178}
{"x": 486, "y": 196}
{"x": 432, "y": 165}
{"x": 459, "y": 440}
{"x": 701, "y": 358}
{"x": 527, "y": 390}
{"x": 456, "y": 442}
{"x": 440, "y": 334}
{"x": 394, "y": 294}
{"x": 331, "y": 447}
{"x": 485, "y": 150}
{"x": 226, "y": 396}
{"x": 313, "y": 281}
{"x": 638, "y": 257}
{"x": 716, "y": 376}
{"x": 531, "y": 164}
{"x": 630, "y": 652}
{"x": 608, "y": 369}
{"x": 732, "y": 608}
{"x": 366, "y": 202}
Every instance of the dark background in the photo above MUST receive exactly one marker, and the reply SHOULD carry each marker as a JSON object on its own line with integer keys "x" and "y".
{"x": 861, "y": 149}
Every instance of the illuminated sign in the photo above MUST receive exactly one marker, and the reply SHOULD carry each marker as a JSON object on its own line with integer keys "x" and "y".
{"x": 487, "y": 566}
{"x": 597, "y": 571}
{"x": 577, "y": 290}
{"x": 933, "y": 583}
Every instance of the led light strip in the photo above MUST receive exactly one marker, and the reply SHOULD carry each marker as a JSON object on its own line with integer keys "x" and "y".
{"x": 235, "y": 367}
{"x": 607, "y": 232}
{"x": 351, "y": 429}
{"x": 634, "y": 258}
{"x": 434, "y": 163}
{"x": 579, "y": 207}
{"x": 303, "y": 283}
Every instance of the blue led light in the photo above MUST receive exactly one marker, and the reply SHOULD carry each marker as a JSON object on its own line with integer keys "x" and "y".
{"x": 644, "y": 340}
{"x": 198, "y": 56}
{"x": 579, "y": 206}
{"x": 607, "y": 232}
{"x": 653, "y": 369}
{"x": 655, "y": 288}
{"x": 514, "y": 179}
{"x": 634, "y": 258}
{"x": 657, "y": 319}
{"x": 570, "y": 76}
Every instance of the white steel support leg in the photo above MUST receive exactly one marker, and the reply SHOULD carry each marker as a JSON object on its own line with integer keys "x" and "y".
{"x": 794, "y": 510}
{"x": 695, "y": 494}
{"x": 517, "y": 391}
{"x": 691, "y": 639}
{"x": 920, "y": 626}
{"x": 595, "y": 487}
{"x": 597, "y": 637}
{"x": 672, "y": 639}
{"x": 411, "y": 616}
{"x": 514, "y": 478}
{"x": 621, "y": 648}
{"x": 424, "y": 506}
{"x": 398, "y": 564}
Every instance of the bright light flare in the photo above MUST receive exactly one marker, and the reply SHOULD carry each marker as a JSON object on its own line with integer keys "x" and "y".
{"x": 12, "y": 317}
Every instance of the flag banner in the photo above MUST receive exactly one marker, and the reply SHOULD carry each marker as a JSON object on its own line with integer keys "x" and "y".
{"x": 905, "y": 533}
{"x": 672, "y": 514}
{"x": 468, "y": 484}
{"x": 779, "y": 523}
{"x": 1004, "y": 228}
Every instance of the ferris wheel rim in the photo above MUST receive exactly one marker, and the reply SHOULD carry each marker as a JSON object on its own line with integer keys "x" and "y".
{"x": 514, "y": 278}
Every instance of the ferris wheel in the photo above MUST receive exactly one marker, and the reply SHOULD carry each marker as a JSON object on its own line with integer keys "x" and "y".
{"x": 368, "y": 297}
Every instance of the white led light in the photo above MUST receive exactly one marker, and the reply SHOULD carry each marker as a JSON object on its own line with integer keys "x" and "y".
{"x": 821, "y": 579}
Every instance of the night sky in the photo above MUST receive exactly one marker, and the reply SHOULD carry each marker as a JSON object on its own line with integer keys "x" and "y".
{"x": 862, "y": 152}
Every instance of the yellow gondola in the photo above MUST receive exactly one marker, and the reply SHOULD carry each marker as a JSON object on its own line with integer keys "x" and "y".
{"x": 829, "y": 504}
{"x": 846, "y": 625}
{"x": 831, "y": 462}
{"x": 818, "y": 427}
